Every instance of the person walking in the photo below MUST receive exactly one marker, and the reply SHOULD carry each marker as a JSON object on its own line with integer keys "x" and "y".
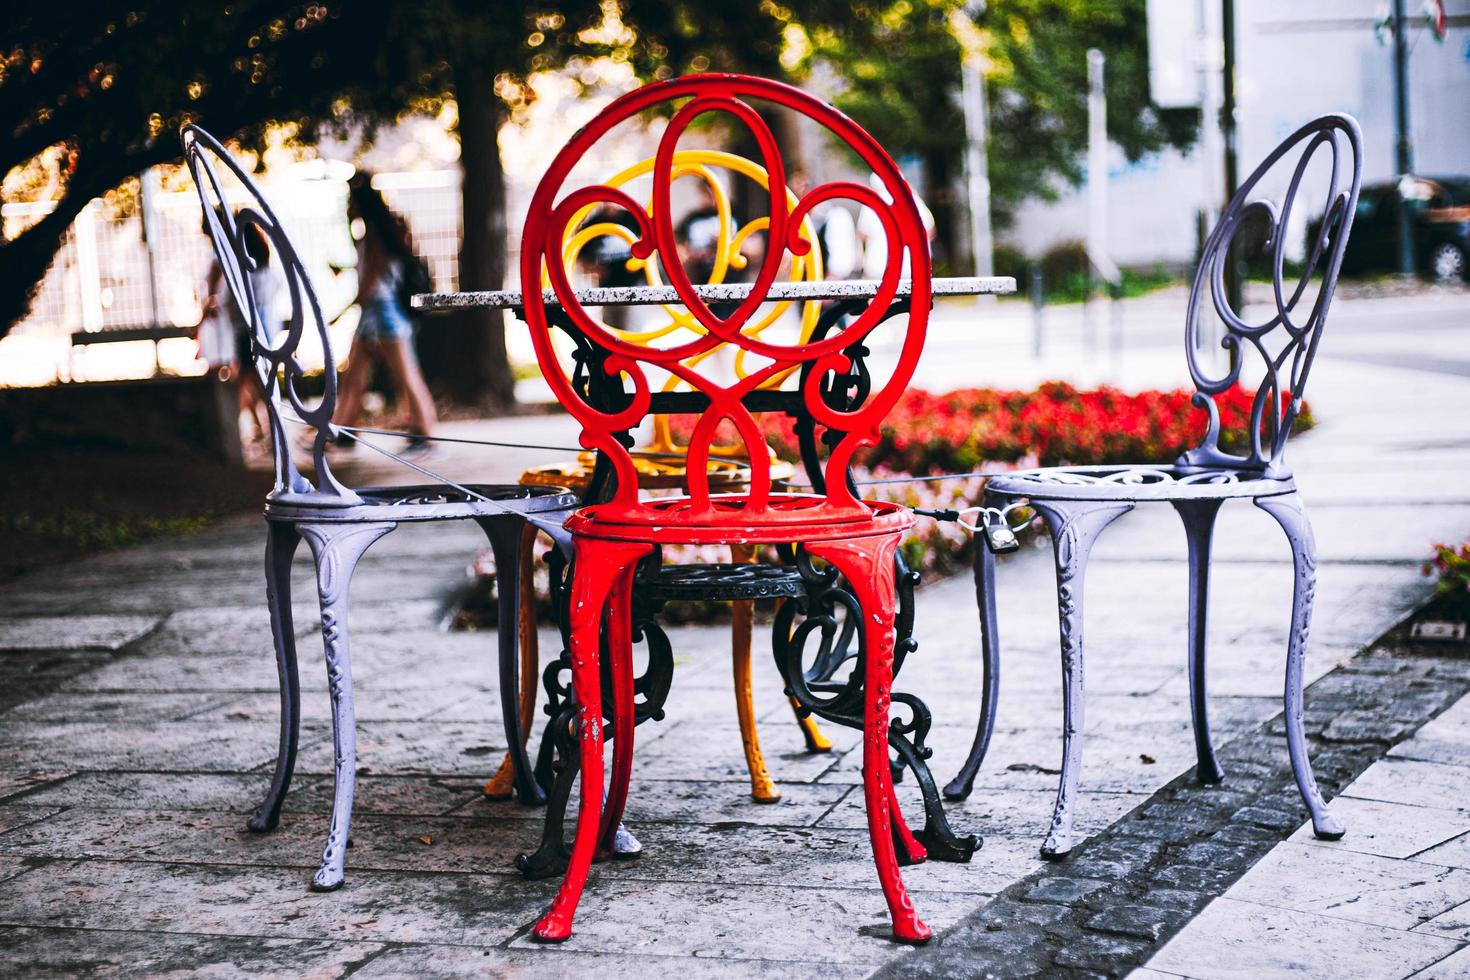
{"x": 384, "y": 330}
{"x": 223, "y": 331}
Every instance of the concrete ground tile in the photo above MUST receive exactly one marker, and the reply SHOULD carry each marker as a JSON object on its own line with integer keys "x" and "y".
{"x": 1413, "y": 782}
{"x": 12, "y": 867}
{"x": 187, "y": 746}
{"x": 275, "y": 903}
{"x": 1018, "y": 814}
{"x": 720, "y": 803}
{"x": 388, "y": 748}
{"x": 240, "y": 793}
{"x": 14, "y": 782}
{"x": 713, "y": 751}
{"x": 1344, "y": 884}
{"x": 1231, "y": 939}
{"x": 1453, "y": 853}
{"x": 72, "y": 632}
{"x": 44, "y": 953}
{"x": 807, "y": 857}
{"x": 129, "y": 707}
{"x": 414, "y": 844}
{"x": 375, "y": 705}
{"x": 183, "y": 672}
{"x": 1452, "y": 724}
{"x": 1423, "y": 748}
{"x": 559, "y": 962}
{"x": 1390, "y": 829}
{"x": 814, "y": 925}
{"x": 14, "y": 815}
{"x": 1454, "y": 924}
{"x": 1455, "y": 966}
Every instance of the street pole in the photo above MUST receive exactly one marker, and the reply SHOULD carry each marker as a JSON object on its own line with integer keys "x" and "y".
{"x": 1212, "y": 152}
{"x": 1227, "y": 133}
{"x": 1100, "y": 262}
{"x": 977, "y": 166}
{"x": 1403, "y": 147}
{"x": 977, "y": 170}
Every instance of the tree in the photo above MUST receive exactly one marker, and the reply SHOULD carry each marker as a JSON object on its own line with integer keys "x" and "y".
{"x": 899, "y": 62}
{"x": 111, "y": 87}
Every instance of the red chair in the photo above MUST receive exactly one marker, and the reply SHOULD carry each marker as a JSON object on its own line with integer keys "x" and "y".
{"x": 858, "y": 538}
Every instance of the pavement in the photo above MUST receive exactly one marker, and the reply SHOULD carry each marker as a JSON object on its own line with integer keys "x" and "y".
{"x": 139, "y": 717}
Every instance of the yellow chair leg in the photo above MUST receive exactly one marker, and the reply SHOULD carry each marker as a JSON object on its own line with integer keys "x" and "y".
{"x": 501, "y": 786}
{"x": 742, "y": 619}
{"x": 815, "y": 741}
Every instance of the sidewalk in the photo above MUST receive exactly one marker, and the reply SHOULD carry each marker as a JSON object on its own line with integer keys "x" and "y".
{"x": 124, "y": 786}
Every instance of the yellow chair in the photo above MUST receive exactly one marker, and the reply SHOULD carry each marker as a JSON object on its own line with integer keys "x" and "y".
{"x": 662, "y": 467}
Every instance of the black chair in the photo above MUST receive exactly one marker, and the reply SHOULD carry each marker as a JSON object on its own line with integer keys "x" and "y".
{"x": 338, "y": 522}
{"x": 1079, "y": 502}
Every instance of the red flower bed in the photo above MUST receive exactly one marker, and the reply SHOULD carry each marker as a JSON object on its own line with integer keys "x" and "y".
{"x": 961, "y": 431}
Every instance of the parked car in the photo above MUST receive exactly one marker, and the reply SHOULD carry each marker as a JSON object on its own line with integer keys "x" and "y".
{"x": 1440, "y": 207}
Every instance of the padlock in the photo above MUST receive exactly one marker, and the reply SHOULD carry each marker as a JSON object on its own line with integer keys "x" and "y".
{"x": 999, "y": 537}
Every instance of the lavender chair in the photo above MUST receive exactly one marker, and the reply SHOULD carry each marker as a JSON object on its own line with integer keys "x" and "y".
{"x": 1079, "y": 502}
{"x": 338, "y": 522}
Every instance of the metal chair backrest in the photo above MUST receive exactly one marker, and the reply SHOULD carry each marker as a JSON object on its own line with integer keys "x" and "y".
{"x": 1298, "y": 316}
{"x": 554, "y": 209}
{"x": 275, "y": 362}
{"x": 704, "y": 167}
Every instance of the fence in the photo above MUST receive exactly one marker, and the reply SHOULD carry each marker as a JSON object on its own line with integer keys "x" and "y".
{"x": 110, "y": 275}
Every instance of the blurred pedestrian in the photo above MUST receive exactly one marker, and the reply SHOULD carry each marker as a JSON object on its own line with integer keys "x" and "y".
{"x": 386, "y": 261}
{"x": 223, "y": 332}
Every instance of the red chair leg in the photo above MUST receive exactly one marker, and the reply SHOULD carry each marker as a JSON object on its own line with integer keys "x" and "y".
{"x": 601, "y": 565}
{"x": 867, "y": 564}
{"x": 620, "y": 658}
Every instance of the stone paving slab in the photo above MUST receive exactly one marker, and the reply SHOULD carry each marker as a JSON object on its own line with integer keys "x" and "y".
{"x": 45, "y": 952}
{"x": 1250, "y": 941}
{"x": 72, "y": 632}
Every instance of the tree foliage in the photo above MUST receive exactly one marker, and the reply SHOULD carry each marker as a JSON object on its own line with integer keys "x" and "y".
{"x": 899, "y": 62}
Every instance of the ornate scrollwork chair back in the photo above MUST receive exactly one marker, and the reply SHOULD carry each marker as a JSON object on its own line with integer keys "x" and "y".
{"x": 275, "y": 360}
{"x": 684, "y": 359}
{"x": 661, "y": 462}
{"x": 1294, "y": 324}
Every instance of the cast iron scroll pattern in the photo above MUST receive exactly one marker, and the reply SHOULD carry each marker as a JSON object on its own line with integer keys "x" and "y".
{"x": 1140, "y": 476}
{"x": 276, "y": 364}
{"x": 842, "y": 701}
{"x": 1286, "y": 369}
{"x": 552, "y": 213}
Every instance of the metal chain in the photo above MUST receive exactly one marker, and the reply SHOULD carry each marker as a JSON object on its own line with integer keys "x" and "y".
{"x": 987, "y": 516}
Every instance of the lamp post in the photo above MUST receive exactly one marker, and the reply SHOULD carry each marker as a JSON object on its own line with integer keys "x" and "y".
{"x": 1403, "y": 147}
{"x": 977, "y": 167}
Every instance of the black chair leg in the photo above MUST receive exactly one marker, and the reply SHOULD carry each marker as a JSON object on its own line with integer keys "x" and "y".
{"x": 1199, "y": 526}
{"x": 280, "y": 547}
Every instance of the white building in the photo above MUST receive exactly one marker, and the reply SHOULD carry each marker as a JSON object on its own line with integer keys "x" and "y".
{"x": 1295, "y": 59}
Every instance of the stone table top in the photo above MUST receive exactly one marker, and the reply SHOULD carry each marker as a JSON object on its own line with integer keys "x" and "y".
{"x": 723, "y": 292}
